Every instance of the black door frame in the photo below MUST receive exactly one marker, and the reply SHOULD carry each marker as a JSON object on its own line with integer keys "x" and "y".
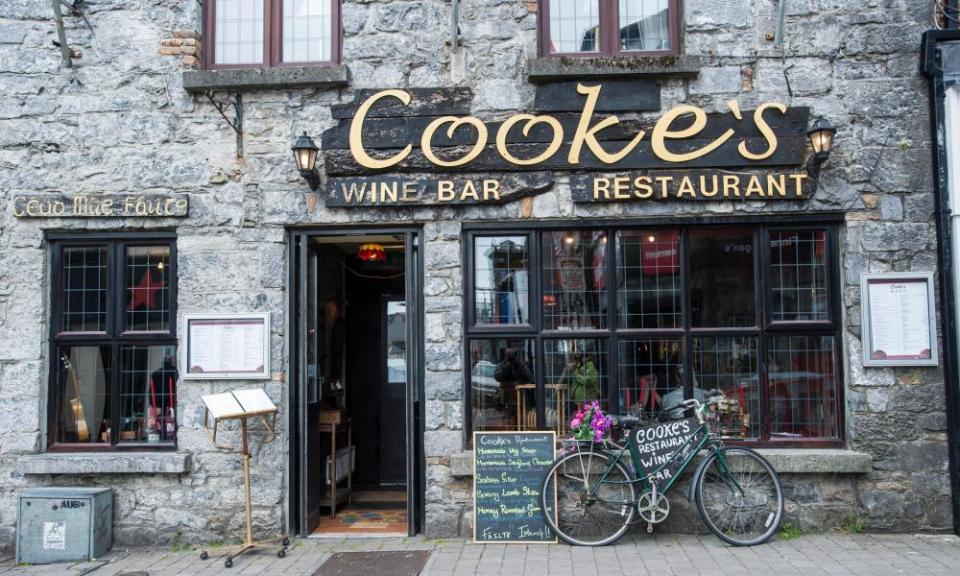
{"x": 413, "y": 282}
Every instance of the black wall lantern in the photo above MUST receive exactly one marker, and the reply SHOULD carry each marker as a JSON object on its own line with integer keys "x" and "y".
{"x": 821, "y": 139}
{"x": 305, "y": 153}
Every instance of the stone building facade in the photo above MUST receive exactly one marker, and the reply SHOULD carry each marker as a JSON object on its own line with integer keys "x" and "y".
{"x": 121, "y": 122}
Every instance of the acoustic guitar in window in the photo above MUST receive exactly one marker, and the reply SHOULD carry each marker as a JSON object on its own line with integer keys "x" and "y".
{"x": 80, "y": 419}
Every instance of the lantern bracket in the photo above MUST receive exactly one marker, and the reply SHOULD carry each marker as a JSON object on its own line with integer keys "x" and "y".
{"x": 237, "y": 122}
{"x": 312, "y": 177}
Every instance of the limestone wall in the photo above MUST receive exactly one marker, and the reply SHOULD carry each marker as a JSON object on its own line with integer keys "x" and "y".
{"x": 121, "y": 122}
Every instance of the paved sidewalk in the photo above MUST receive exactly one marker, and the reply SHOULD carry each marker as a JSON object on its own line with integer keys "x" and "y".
{"x": 635, "y": 555}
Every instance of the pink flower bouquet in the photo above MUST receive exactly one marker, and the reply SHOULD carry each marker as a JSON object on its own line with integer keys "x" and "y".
{"x": 589, "y": 423}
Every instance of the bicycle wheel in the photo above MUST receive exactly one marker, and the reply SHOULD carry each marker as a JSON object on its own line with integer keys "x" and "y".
{"x": 740, "y": 498}
{"x": 588, "y": 512}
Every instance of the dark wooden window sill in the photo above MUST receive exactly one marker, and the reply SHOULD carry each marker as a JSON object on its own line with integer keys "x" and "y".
{"x": 554, "y": 68}
{"x": 266, "y": 78}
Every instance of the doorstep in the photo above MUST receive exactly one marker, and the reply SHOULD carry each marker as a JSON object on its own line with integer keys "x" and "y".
{"x": 783, "y": 460}
{"x": 116, "y": 463}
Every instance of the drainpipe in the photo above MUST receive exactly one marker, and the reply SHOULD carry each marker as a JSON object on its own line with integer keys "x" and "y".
{"x": 454, "y": 25}
{"x": 944, "y": 78}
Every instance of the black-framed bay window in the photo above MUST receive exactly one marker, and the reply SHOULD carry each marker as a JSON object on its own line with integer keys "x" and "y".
{"x": 113, "y": 344}
{"x": 643, "y": 317}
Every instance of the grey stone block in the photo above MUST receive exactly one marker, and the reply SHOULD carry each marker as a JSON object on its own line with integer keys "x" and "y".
{"x": 266, "y": 78}
{"x": 93, "y": 463}
{"x": 549, "y": 69}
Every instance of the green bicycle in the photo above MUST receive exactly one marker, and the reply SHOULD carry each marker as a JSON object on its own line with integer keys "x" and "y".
{"x": 600, "y": 492}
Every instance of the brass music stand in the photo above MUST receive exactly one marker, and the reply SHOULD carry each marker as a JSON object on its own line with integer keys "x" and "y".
{"x": 243, "y": 405}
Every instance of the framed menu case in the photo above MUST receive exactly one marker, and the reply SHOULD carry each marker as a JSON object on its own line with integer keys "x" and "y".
{"x": 899, "y": 319}
{"x": 227, "y": 347}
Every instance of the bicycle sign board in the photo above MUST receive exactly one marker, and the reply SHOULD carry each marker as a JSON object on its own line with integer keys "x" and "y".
{"x": 508, "y": 471}
{"x": 658, "y": 443}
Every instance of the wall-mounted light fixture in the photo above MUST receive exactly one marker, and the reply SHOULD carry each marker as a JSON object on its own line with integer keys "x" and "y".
{"x": 305, "y": 153}
{"x": 821, "y": 139}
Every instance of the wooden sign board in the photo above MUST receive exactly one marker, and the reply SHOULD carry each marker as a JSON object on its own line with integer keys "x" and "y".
{"x": 575, "y": 126}
{"x": 508, "y": 473}
{"x": 690, "y": 185}
{"x": 657, "y": 445}
{"x": 428, "y": 190}
{"x": 100, "y": 205}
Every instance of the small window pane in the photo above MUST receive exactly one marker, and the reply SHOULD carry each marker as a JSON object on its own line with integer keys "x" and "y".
{"x": 730, "y": 364}
{"x": 307, "y": 31}
{"x": 648, "y": 279}
{"x": 574, "y": 25}
{"x": 651, "y": 369}
{"x": 798, "y": 275}
{"x": 83, "y": 399}
{"x": 574, "y": 280}
{"x": 85, "y": 289}
{"x": 576, "y": 373}
{"x": 148, "y": 408}
{"x": 501, "y": 280}
{"x": 502, "y": 384}
{"x": 803, "y": 392}
{"x": 147, "y": 285}
{"x": 722, "y": 277}
{"x": 644, "y": 25}
{"x": 239, "y": 32}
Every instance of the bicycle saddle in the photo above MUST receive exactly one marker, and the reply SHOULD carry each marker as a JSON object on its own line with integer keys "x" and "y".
{"x": 625, "y": 420}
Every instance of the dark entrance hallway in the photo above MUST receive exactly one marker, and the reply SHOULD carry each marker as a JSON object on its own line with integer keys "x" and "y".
{"x": 358, "y": 415}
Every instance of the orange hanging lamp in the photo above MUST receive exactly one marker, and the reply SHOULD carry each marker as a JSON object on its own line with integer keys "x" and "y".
{"x": 371, "y": 252}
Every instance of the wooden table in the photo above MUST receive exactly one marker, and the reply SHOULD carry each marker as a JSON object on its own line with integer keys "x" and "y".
{"x": 560, "y": 393}
{"x": 335, "y": 496}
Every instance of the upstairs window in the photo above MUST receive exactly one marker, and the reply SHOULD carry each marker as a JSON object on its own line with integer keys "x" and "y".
{"x": 257, "y": 33}
{"x": 609, "y": 27}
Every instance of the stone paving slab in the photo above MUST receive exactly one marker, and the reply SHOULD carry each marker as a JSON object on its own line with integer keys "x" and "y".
{"x": 636, "y": 555}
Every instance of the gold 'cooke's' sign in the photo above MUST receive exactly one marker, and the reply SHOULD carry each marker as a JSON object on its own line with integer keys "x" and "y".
{"x": 585, "y": 135}
{"x": 101, "y": 206}
{"x": 437, "y": 153}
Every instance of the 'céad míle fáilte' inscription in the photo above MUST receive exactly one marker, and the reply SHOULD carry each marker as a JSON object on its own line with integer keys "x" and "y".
{"x": 101, "y": 206}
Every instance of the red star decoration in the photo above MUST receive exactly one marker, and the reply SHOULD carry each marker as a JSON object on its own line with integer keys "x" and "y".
{"x": 145, "y": 292}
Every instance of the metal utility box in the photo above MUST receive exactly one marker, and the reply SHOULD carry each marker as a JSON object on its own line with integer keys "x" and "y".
{"x": 64, "y": 524}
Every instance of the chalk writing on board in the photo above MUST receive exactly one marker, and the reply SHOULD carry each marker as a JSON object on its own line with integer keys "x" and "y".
{"x": 657, "y": 445}
{"x": 509, "y": 468}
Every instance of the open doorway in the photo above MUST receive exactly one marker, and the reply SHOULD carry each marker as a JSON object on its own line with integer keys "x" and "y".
{"x": 359, "y": 402}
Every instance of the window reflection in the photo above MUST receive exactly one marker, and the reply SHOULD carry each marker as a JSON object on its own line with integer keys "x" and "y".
{"x": 730, "y": 364}
{"x": 798, "y": 275}
{"x": 83, "y": 402}
{"x": 644, "y": 25}
{"x": 148, "y": 288}
{"x": 501, "y": 280}
{"x": 721, "y": 277}
{"x": 502, "y": 384}
{"x": 648, "y": 279}
{"x": 576, "y": 373}
{"x": 574, "y": 25}
{"x": 574, "y": 280}
{"x": 651, "y": 369}
{"x": 803, "y": 395}
{"x": 85, "y": 289}
{"x": 148, "y": 402}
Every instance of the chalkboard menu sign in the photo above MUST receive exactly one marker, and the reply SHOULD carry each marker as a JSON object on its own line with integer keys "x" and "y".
{"x": 508, "y": 471}
{"x": 658, "y": 443}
